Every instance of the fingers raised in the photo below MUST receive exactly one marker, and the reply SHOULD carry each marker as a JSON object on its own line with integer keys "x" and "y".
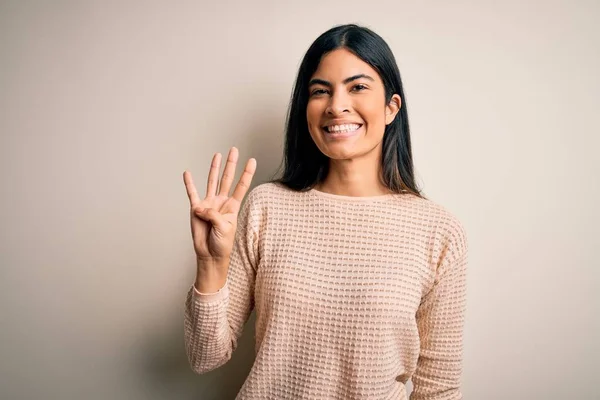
{"x": 245, "y": 180}
{"x": 213, "y": 176}
{"x": 190, "y": 188}
{"x": 229, "y": 172}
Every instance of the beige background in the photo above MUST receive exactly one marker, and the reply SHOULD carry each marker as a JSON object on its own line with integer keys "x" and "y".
{"x": 104, "y": 104}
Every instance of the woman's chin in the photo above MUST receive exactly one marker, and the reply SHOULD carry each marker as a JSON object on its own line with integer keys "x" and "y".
{"x": 351, "y": 150}
{"x": 341, "y": 152}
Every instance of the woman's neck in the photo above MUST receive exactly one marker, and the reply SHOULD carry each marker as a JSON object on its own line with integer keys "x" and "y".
{"x": 352, "y": 178}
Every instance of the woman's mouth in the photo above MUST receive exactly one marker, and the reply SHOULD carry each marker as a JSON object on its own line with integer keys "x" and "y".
{"x": 342, "y": 131}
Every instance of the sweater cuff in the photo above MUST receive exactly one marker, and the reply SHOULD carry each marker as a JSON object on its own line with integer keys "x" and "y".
{"x": 209, "y": 297}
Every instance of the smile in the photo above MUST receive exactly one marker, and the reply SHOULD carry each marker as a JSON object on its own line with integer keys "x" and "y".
{"x": 345, "y": 128}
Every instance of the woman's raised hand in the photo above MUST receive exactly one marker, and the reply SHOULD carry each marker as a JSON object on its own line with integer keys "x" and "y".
{"x": 214, "y": 218}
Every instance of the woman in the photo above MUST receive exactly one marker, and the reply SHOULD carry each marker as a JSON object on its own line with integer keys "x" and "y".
{"x": 357, "y": 279}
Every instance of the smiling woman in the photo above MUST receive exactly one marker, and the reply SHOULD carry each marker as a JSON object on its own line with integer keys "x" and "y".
{"x": 357, "y": 279}
{"x": 344, "y": 110}
{"x": 349, "y": 76}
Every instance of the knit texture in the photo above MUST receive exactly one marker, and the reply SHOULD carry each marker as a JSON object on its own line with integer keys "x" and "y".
{"x": 354, "y": 296}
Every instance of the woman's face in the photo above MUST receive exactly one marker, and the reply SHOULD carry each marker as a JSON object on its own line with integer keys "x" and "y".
{"x": 346, "y": 110}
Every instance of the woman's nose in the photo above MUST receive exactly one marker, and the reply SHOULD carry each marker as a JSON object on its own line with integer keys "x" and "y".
{"x": 338, "y": 104}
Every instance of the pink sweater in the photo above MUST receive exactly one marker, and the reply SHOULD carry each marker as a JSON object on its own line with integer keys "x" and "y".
{"x": 354, "y": 296}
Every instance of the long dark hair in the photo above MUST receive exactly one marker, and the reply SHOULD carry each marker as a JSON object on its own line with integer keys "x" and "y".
{"x": 304, "y": 165}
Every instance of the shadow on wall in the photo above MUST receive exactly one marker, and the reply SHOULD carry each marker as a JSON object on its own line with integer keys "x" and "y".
{"x": 166, "y": 368}
{"x": 164, "y": 364}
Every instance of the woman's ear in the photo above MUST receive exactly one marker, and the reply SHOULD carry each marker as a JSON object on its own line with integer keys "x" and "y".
{"x": 392, "y": 108}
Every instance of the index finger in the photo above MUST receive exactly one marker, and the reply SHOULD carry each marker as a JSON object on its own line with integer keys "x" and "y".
{"x": 245, "y": 180}
{"x": 190, "y": 188}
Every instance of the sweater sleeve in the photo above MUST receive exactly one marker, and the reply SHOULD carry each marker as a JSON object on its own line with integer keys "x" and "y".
{"x": 440, "y": 321}
{"x": 214, "y": 322}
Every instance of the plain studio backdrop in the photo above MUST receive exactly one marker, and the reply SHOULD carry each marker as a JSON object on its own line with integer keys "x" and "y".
{"x": 103, "y": 105}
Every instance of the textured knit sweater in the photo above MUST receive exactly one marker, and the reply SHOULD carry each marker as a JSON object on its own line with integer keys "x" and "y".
{"x": 354, "y": 296}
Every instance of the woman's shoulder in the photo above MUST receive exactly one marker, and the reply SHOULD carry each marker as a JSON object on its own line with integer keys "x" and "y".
{"x": 433, "y": 207}
{"x": 266, "y": 195}
{"x": 449, "y": 227}
{"x": 446, "y": 223}
{"x": 268, "y": 191}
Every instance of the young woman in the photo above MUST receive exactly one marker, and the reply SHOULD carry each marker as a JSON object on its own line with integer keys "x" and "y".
{"x": 357, "y": 279}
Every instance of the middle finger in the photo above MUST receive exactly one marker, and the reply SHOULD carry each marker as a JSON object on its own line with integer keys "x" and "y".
{"x": 213, "y": 176}
{"x": 229, "y": 172}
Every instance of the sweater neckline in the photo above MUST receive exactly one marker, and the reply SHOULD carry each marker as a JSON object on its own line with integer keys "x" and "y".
{"x": 352, "y": 198}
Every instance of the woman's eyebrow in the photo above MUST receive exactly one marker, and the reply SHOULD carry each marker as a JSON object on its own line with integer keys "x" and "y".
{"x": 323, "y": 82}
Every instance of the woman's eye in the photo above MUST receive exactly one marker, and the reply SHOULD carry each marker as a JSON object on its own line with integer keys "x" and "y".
{"x": 358, "y": 88}
{"x": 318, "y": 92}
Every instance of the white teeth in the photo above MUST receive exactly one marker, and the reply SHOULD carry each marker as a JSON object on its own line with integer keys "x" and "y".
{"x": 343, "y": 128}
